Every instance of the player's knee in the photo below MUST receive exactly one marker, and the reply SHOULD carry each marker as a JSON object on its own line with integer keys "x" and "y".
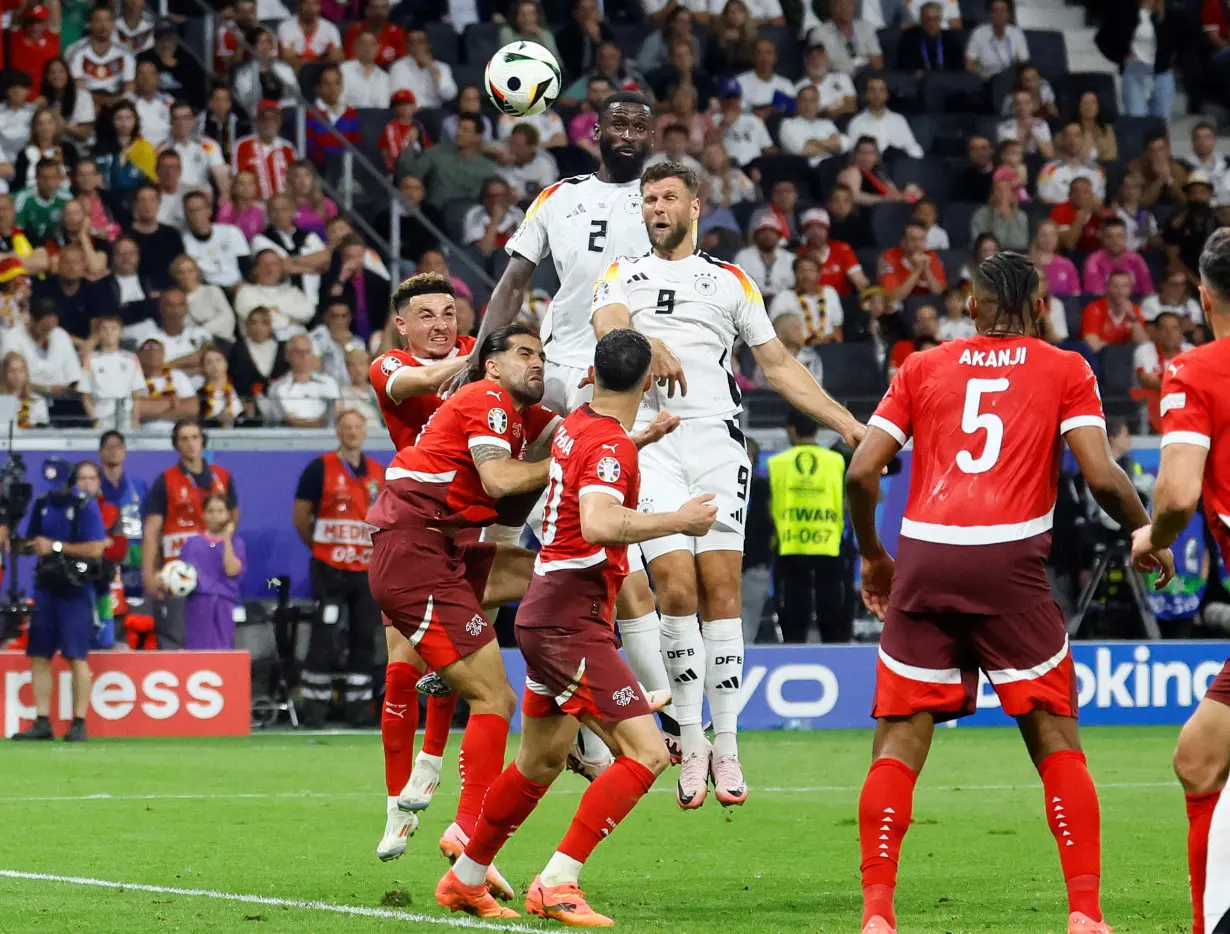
{"x": 677, "y": 597}
{"x": 1201, "y": 767}
{"x": 722, "y": 606}
{"x": 652, "y": 756}
{"x": 496, "y": 697}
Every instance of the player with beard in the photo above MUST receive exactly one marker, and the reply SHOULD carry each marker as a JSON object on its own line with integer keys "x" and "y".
{"x": 692, "y": 308}
{"x": 406, "y": 383}
{"x": 584, "y": 223}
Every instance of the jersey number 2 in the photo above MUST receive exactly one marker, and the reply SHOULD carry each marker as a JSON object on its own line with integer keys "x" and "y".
{"x": 974, "y": 421}
{"x": 597, "y": 236}
{"x": 555, "y": 492}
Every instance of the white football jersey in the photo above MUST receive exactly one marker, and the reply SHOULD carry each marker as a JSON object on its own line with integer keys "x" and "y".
{"x": 697, "y": 307}
{"x": 584, "y": 224}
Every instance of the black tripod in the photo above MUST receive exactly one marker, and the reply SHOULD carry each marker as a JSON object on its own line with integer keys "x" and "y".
{"x": 1116, "y": 557}
{"x": 267, "y": 708}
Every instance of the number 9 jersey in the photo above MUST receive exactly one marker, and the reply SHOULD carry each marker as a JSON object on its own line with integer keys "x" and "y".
{"x": 986, "y": 415}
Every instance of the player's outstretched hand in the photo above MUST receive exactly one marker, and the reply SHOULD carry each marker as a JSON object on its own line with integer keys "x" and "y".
{"x": 877, "y": 584}
{"x": 667, "y": 369}
{"x": 1146, "y": 558}
{"x": 467, "y": 374}
{"x": 662, "y": 425}
{"x": 697, "y": 515}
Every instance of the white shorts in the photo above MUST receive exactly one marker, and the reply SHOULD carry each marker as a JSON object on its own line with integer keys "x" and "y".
{"x": 700, "y": 456}
{"x": 560, "y": 387}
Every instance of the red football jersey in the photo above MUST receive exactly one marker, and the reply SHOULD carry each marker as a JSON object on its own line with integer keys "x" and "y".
{"x": 1196, "y": 410}
{"x": 406, "y": 419}
{"x": 986, "y": 415}
{"x": 435, "y": 481}
{"x": 590, "y": 453}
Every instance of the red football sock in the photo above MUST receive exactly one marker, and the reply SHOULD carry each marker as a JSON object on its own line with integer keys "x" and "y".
{"x": 439, "y": 722}
{"x": 1199, "y": 817}
{"x": 480, "y": 762}
{"x": 884, "y": 810}
{"x": 605, "y": 803}
{"x": 399, "y": 718}
{"x": 1075, "y": 819}
{"x": 510, "y": 800}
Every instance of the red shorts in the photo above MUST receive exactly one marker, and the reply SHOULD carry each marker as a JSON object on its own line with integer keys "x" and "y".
{"x": 1219, "y": 690}
{"x": 929, "y": 663}
{"x": 430, "y": 588}
{"x": 578, "y": 671}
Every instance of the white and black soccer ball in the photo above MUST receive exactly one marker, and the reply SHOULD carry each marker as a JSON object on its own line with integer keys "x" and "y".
{"x": 523, "y": 79}
{"x": 179, "y": 577}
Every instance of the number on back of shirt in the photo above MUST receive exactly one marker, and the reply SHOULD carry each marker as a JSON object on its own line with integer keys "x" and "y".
{"x": 555, "y": 492}
{"x": 597, "y": 236}
{"x": 973, "y": 421}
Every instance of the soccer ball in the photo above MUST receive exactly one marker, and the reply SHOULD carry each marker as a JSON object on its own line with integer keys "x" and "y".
{"x": 523, "y": 79}
{"x": 179, "y": 577}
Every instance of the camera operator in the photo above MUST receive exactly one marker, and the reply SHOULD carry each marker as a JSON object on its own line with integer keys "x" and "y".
{"x": 66, "y": 533}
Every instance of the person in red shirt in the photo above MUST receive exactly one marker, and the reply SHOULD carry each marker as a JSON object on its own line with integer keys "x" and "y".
{"x": 911, "y": 269}
{"x": 566, "y": 631}
{"x": 839, "y": 267}
{"x": 33, "y": 46}
{"x": 392, "y": 37}
{"x": 403, "y": 131}
{"x": 1152, "y": 358}
{"x": 1195, "y": 468}
{"x": 969, "y": 591}
{"x": 265, "y": 153}
{"x": 1114, "y": 318}
{"x": 1080, "y": 217}
{"x": 229, "y": 50}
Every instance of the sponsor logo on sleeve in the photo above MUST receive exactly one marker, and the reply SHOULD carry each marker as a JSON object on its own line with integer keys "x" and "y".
{"x": 1172, "y": 401}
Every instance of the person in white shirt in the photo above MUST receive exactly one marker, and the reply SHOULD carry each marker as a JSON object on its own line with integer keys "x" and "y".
{"x": 357, "y": 395}
{"x": 890, "y": 130}
{"x": 911, "y": 13}
{"x": 332, "y": 340}
{"x": 200, "y": 159}
{"x": 765, "y": 260}
{"x": 135, "y": 26}
{"x": 550, "y": 127}
{"x": 169, "y": 393}
{"x": 32, "y": 411}
{"x": 852, "y": 43}
{"x": 250, "y": 80}
{"x": 818, "y": 306}
{"x": 303, "y": 398}
{"x": 1173, "y": 298}
{"x": 15, "y": 116}
{"x": 727, "y": 184}
{"x": 837, "y": 94}
{"x": 308, "y": 38}
{"x": 489, "y": 224}
{"x": 182, "y": 340}
{"x": 529, "y": 170}
{"x": 153, "y": 107}
{"x": 1055, "y": 180}
{"x": 997, "y": 45}
{"x": 675, "y": 139}
{"x": 171, "y": 192}
{"x": 364, "y": 83}
{"x": 208, "y": 306}
{"x": 101, "y": 66}
{"x": 761, "y": 83}
{"x": 47, "y": 348}
{"x": 743, "y": 134}
{"x": 112, "y": 380}
{"x": 270, "y": 289}
{"x": 217, "y": 248}
{"x": 1027, "y": 129}
{"x": 431, "y": 81}
{"x": 1205, "y": 156}
{"x": 304, "y": 255}
{"x": 808, "y": 134}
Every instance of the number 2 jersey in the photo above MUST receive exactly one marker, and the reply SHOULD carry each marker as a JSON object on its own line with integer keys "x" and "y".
{"x": 1196, "y": 410}
{"x": 573, "y": 579}
{"x": 584, "y": 224}
{"x": 987, "y": 415}
{"x": 406, "y": 419}
{"x": 697, "y": 306}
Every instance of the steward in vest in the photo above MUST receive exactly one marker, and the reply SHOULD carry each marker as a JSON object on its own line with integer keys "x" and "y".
{"x": 807, "y": 486}
{"x": 174, "y": 512}
{"x": 330, "y": 515}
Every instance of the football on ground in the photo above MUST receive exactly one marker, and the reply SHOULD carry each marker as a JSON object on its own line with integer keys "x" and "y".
{"x": 276, "y": 833}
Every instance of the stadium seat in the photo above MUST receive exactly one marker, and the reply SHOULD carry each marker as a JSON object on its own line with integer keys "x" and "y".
{"x": 888, "y": 222}
{"x": 779, "y": 166}
{"x": 952, "y": 133}
{"x": 869, "y": 259}
{"x": 973, "y": 13}
{"x": 1048, "y": 51}
{"x": 466, "y": 75}
{"x": 932, "y": 175}
{"x": 743, "y": 212}
{"x": 851, "y": 371}
{"x": 1117, "y": 369}
{"x": 954, "y": 261}
{"x": 290, "y": 125}
{"x": 631, "y": 36}
{"x": 309, "y": 76}
{"x": 825, "y": 174}
{"x": 1069, "y": 88}
{"x": 1000, "y": 87}
{"x": 924, "y": 131}
{"x": 1131, "y": 133}
{"x": 889, "y": 40}
{"x": 955, "y": 219}
{"x": 480, "y": 41}
{"x": 432, "y": 119}
{"x": 1074, "y": 310}
{"x": 954, "y": 92}
{"x": 789, "y": 58}
{"x": 454, "y": 217}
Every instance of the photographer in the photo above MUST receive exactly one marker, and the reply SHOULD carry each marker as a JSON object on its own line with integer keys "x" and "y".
{"x": 66, "y": 533}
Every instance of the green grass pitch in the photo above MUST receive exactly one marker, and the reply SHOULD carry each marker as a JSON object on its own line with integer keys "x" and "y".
{"x": 297, "y": 818}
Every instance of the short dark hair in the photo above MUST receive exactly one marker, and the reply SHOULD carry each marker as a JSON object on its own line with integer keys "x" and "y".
{"x": 803, "y": 426}
{"x": 500, "y": 340}
{"x": 675, "y": 129}
{"x": 221, "y": 497}
{"x": 180, "y": 426}
{"x": 16, "y": 79}
{"x": 170, "y": 154}
{"x": 46, "y": 163}
{"x": 913, "y": 223}
{"x": 1215, "y": 262}
{"x": 194, "y": 195}
{"x": 865, "y": 140}
{"x": 423, "y": 283}
{"x": 475, "y": 121}
{"x": 1114, "y": 221}
{"x": 44, "y": 307}
{"x": 622, "y": 97}
{"x": 180, "y": 105}
{"x": 111, "y": 435}
{"x": 663, "y": 170}
{"x": 1153, "y": 137}
{"x": 527, "y": 130}
{"x": 1204, "y": 125}
{"x": 320, "y": 75}
{"x": 621, "y": 360}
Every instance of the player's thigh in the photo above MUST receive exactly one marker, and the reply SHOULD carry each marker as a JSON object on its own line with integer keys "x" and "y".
{"x": 925, "y": 666}
{"x": 716, "y": 462}
{"x": 398, "y": 646}
{"x": 664, "y": 488}
{"x": 719, "y": 575}
{"x": 635, "y": 598}
{"x": 480, "y": 678}
{"x": 638, "y": 738}
{"x": 547, "y": 735}
{"x": 562, "y": 391}
{"x": 504, "y": 570}
{"x": 674, "y": 581}
{"x": 1202, "y": 757}
{"x": 1027, "y": 659}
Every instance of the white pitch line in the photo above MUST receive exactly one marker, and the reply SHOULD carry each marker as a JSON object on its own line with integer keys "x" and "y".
{"x": 355, "y": 910}
{"x": 301, "y": 795}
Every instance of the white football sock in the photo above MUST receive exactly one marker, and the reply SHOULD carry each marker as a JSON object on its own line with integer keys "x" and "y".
{"x": 1217, "y": 879}
{"x": 642, "y": 640}
{"x": 390, "y": 804}
{"x": 683, "y": 650}
{"x": 723, "y": 640}
{"x": 468, "y": 871}
{"x": 561, "y": 869}
{"x": 593, "y": 747}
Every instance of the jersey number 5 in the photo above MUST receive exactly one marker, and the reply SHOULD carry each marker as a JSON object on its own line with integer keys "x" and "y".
{"x": 597, "y": 236}
{"x": 973, "y": 421}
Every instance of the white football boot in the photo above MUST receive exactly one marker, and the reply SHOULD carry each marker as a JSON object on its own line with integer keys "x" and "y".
{"x": 424, "y": 780}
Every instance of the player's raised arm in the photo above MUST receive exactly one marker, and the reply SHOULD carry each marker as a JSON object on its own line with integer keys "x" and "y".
{"x": 604, "y": 521}
{"x": 502, "y": 309}
{"x": 503, "y": 476}
{"x": 407, "y": 381}
{"x": 792, "y": 380}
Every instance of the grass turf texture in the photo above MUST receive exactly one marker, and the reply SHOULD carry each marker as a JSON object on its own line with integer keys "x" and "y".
{"x": 976, "y": 859}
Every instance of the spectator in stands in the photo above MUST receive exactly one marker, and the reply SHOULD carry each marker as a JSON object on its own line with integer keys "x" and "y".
{"x": 134, "y": 27}
{"x": 924, "y": 335}
{"x": 333, "y": 340}
{"x": 1205, "y": 156}
{"x": 112, "y": 378}
{"x": 391, "y": 41}
{"x": 889, "y": 129}
{"x": 264, "y": 77}
{"x": 244, "y": 210}
{"x": 1053, "y": 328}
{"x": 364, "y": 82}
{"x": 86, "y": 184}
{"x": 727, "y": 182}
{"x": 818, "y": 305}
{"x": 416, "y": 236}
{"x": 489, "y": 224}
{"x": 1174, "y": 298}
{"x": 126, "y": 290}
{"x": 169, "y": 394}
{"x": 808, "y": 134}
{"x": 171, "y": 191}
{"x": 200, "y": 160}
{"x": 60, "y": 92}
{"x": 549, "y": 124}
{"x": 303, "y": 252}
{"x": 1060, "y": 272}
{"x": 997, "y": 45}
{"x": 912, "y": 12}
{"x": 1029, "y": 79}
{"x": 1186, "y": 233}
{"x": 270, "y": 288}
{"x": 48, "y": 350}
{"x": 39, "y": 207}
{"x": 153, "y": 105}
{"x": 956, "y": 323}
{"x": 303, "y": 398}
{"x": 308, "y": 38}
{"x": 357, "y": 394}
{"x": 44, "y": 143}
{"x": 580, "y": 37}
{"x": 983, "y": 249}
{"x": 219, "y": 122}
{"x": 682, "y": 74}
{"x": 719, "y": 230}
{"x": 1151, "y": 358}
{"x": 1144, "y": 42}
{"x": 1098, "y": 141}
{"x": 452, "y": 170}
{"x": 220, "y": 403}
{"x": 655, "y": 52}
{"x": 1114, "y": 318}
{"x": 1055, "y": 179}
{"x": 158, "y": 242}
{"x": 181, "y": 339}
{"x": 790, "y": 329}
{"x": 33, "y": 44}
{"x": 761, "y": 84}
{"x": 330, "y": 118}
{"x": 683, "y": 113}
{"x": 852, "y": 43}
{"x": 674, "y": 141}
{"x": 1164, "y": 176}
{"x": 219, "y": 249}
{"x": 126, "y": 159}
{"x": 910, "y": 269}
{"x": 765, "y": 260}
{"x": 975, "y": 179}
{"x": 180, "y": 76}
{"x": 839, "y": 267}
{"x": 928, "y": 46}
{"x": 74, "y": 228}
{"x": 733, "y": 46}
{"x": 256, "y": 359}
{"x": 848, "y": 223}
{"x": 610, "y": 65}
{"x": 32, "y": 409}
{"x": 15, "y": 118}
{"x": 1080, "y": 218}
{"x": 1002, "y": 215}
{"x": 228, "y": 41}
{"x": 927, "y": 214}
{"x": 744, "y": 135}
{"x": 470, "y": 101}
{"x": 101, "y": 66}
{"x": 17, "y": 258}
{"x": 524, "y": 25}
{"x": 866, "y": 177}
{"x": 71, "y": 293}
{"x": 1030, "y": 131}
{"x": 312, "y": 209}
{"x": 783, "y": 205}
{"x": 403, "y": 132}
{"x": 837, "y": 95}
{"x": 364, "y": 290}
{"x": 529, "y": 169}
{"x": 208, "y": 307}
{"x": 1116, "y": 257}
